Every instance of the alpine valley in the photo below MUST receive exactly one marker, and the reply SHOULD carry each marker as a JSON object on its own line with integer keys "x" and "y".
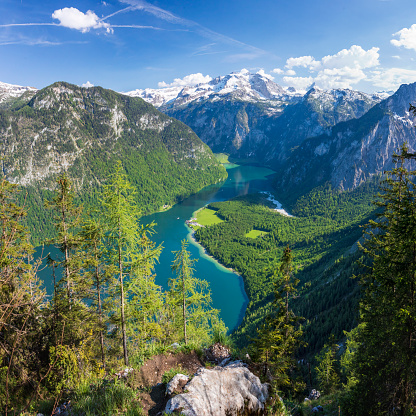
{"x": 328, "y": 149}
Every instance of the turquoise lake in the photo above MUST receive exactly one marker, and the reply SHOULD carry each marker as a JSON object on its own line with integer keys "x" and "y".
{"x": 227, "y": 288}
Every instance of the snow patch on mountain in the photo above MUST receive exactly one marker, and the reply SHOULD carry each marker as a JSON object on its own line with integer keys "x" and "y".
{"x": 242, "y": 85}
{"x": 8, "y": 91}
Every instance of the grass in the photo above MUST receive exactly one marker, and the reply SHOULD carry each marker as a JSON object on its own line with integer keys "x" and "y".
{"x": 207, "y": 217}
{"x": 104, "y": 398}
{"x": 256, "y": 233}
{"x": 168, "y": 375}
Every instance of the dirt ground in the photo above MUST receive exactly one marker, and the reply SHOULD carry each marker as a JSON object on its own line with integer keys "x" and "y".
{"x": 149, "y": 378}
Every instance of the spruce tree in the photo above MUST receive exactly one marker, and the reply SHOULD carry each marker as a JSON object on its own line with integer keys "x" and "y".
{"x": 21, "y": 302}
{"x": 385, "y": 361}
{"x": 191, "y": 298}
{"x": 280, "y": 335}
{"x": 94, "y": 271}
{"x": 121, "y": 215}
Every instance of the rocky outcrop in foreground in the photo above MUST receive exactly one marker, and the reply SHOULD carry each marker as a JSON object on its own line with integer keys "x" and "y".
{"x": 221, "y": 391}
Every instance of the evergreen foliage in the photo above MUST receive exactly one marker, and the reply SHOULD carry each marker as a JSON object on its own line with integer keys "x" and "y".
{"x": 385, "y": 361}
{"x": 94, "y": 128}
{"x": 280, "y": 336}
{"x": 20, "y": 304}
{"x": 324, "y": 227}
{"x": 63, "y": 347}
{"x": 191, "y": 300}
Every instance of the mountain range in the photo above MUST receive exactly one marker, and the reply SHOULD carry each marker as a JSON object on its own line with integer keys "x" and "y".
{"x": 342, "y": 136}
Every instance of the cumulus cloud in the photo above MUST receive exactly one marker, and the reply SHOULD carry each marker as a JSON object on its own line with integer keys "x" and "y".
{"x": 407, "y": 38}
{"x": 73, "y": 18}
{"x": 355, "y": 57}
{"x": 278, "y": 71}
{"x": 187, "y": 81}
{"x": 87, "y": 85}
{"x": 302, "y": 61}
{"x": 391, "y": 79}
{"x": 341, "y": 70}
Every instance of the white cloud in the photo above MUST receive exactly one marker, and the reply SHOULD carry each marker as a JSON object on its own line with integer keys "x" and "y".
{"x": 187, "y": 81}
{"x": 302, "y": 61}
{"x": 87, "y": 85}
{"x": 355, "y": 57}
{"x": 278, "y": 71}
{"x": 299, "y": 83}
{"x": 341, "y": 70}
{"x": 391, "y": 79}
{"x": 339, "y": 77}
{"x": 74, "y": 19}
{"x": 407, "y": 38}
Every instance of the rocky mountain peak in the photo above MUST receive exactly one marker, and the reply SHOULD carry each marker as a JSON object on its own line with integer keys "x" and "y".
{"x": 242, "y": 85}
{"x": 9, "y": 93}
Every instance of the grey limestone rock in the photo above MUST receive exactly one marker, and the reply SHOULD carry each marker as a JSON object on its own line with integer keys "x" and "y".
{"x": 221, "y": 391}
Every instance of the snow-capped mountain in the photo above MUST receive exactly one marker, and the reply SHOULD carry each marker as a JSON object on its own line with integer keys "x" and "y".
{"x": 349, "y": 153}
{"x": 9, "y": 92}
{"x": 241, "y": 85}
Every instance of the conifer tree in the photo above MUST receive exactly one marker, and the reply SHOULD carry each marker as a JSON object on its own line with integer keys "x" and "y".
{"x": 326, "y": 371}
{"x": 385, "y": 361}
{"x": 94, "y": 270}
{"x": 121, "y": 215}
{"x": 279, "y": 336}
{"x": 146, "y": 298}
{"x": 192, "y": 297}
{"x": 20, "y": 300}
{"x": 67, "y": 219}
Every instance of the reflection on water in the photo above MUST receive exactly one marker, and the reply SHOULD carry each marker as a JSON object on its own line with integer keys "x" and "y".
{"x": 226, "y": 287}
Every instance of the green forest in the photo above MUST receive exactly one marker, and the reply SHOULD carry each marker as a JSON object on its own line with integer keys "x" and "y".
{"x": 324, "y": 225}
{"x": 85, "y": 132}
{"x": 106, "y": 310}
{"x": 309, "y": 324}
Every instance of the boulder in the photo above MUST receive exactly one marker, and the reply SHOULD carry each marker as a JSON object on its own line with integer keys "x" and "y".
{"x": 177, "y": 384}
{"x": 217, "y": 353}
{"x": 314, "y": 394}
{"x": 221, "y": 391}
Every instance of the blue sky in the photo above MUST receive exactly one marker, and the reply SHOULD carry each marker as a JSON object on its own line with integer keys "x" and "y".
{"x": 369, "y": 45}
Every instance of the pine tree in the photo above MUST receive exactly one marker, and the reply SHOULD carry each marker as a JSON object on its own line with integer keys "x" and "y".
{"x": 21, "y": 300}
{"x": 385, "y": 361}
{"x": 279, "y": 336}
{"x": 191, "y": 298}
{"x": 121, "y": 215}
{"x": 67, "y": 220}
{"x": 94, "y": 271}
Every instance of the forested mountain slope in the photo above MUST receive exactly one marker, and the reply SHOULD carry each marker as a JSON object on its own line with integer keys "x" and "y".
{"x": 84, "y": 131}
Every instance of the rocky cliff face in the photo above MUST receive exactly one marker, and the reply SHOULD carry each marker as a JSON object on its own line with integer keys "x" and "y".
{"x": 268, "y": 130}
{"x": 250, "y": 116}
{"x": 351, "y": 152}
